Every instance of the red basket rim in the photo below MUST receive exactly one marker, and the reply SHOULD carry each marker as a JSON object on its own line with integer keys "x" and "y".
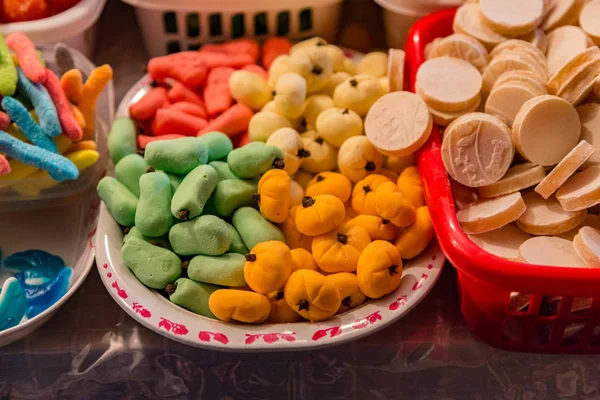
{"x": 465, "y": 255}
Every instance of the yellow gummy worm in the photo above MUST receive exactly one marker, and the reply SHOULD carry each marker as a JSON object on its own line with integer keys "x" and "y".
{"x": 83, "y": 145}
{"x": 72, "y": 83}
{"x": 41, "y": 179}
{"x": 79, "y": 117}
{"x": 94, "y": 85}
{"x": 19, "y": 170}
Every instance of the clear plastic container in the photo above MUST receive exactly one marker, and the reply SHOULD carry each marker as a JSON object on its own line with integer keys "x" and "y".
{"x": 170, "y": 26}
{"x": 57, "y": 195}
{"x": 76, "y": 27}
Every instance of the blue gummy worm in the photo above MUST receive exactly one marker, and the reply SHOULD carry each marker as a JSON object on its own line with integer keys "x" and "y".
{"x": 59, "y": 167}
{"x": 20, "y": 116}
{"x": 42, "y": 102}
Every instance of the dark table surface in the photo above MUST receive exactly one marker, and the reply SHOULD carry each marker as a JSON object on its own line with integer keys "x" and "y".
{"x": 91, "y": 349}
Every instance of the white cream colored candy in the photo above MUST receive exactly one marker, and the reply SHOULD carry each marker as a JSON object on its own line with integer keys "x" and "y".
{"x": 569, "y": 71}
{"x": 336, "y": 125}
{"x": 314, "y": 64}
{"x": 279, "y": 66}
{"x": 469, "y": 21}
{"x": 442, "y": 93}
{"x": 505, "y": 102}
{"x": 564, "y": 43}
{"x": 590, "y": 220}
{"x": 581, "y": 191}
{"x": 547, "y": 250}
{"x": 512, "y": 17}
{"x": 516, "y": 178}
{"x": 587, "y": 246}
{"x": 510, "y": 61}
{"x": 477, "y": 149}
{"x": 546, "y": 129}
{"x": 358, "y": 93}
{"x": 395, "y": 70}
{"x": 290, "y": 92}
{"x": 464, "y": 47}
{"x": 314, "y": 106}
{"x": 323, "y": 156}
{"x": 567, "y": 167}
{"x": 290, "y": 142}
{"x": 527, "y": 78}
{"x": 374, "y": 64}
{"x": 537, "y": 38}
{"x": 589, "y": 20}
{"x": 264, "y": 123}
{"x": 358, "y": 157}
{"x": 547, "y": 217}
{"x": 560, "y": 13}
{"x": 398, "y": 124}
{"x": 589, "y": 114}
{"x": 488, "y": 215}
{"x": 503, "y": 242}
{"x": 445, "y": 118}
{"x": 520, "y": 46}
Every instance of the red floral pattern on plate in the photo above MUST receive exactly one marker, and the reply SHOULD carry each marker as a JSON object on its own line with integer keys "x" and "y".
{"x": 400, "y": 301}
{"x": 369, "y": 319}
{"x": 321, "y": 333}
{"x": 270, "y": 337}
{"x": 418, "y": 285}
{"x": 120, "y": 292}
{"x": 173, "y": 327}
{"x": 206, "y": 336}
{"x": 138, "y": 308}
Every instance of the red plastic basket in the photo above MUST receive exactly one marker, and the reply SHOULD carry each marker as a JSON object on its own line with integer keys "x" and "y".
{"x": 486, "y": 281}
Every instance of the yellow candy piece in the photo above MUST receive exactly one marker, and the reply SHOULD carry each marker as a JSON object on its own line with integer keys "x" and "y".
{"x": 314, "y": 64}
{"x": 410, "y": 184}
{"x": 250, "y": 89}
{"x": 374, "y": 64}
{"x": 358, "y": 93}
{"x": 347, "y": 285}
{"x": 314, "y": 106}
{"x": 312, "y": 295}
{"x": 293, "y": 238}
{"x": 379, "y": 269}
{"x": 279, "y": 66}
{"x": 399, "y": 163}
{"x": 79, "y": 117}
{"x": 83, "y": 145}
{"x": 268, "y": 266}
{"x": 350, "y": 67}
{"x": 281, "y": 313}
{"x": 392, "y": 205}
{"x": 413, "y": 240}
{"x": 332, "y": 183}
{"x": 239, "y": 305}
{"x": 377, "y": 227}
{"x": 357, "y": 158}
{"x": 334, "y": 80}
{"x": 323, "y": 156}
{"x": 389, "y": 174}
{"x": 274, "y": 195}
{"x": 296, "y": 193}
{"x": 363, "y": 194}
{"x": 264, "y": 123}
{"x": 290, "y": 92}
{"x": 336, "y": 125}
{"x": 339, "y": 249}
{"x": 90, "y": 91}
{"x": 303, "y": 259}
{"x": 290, "y": 142}
{"x": 303, "y": 178}
{"x": 319, "y": 214}
{"x": 385, "y": 84}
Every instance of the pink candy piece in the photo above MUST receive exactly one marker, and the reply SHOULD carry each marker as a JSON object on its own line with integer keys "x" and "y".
{"x": 27, "y": 56}
{"x": 258, "y": 70}
{"x": 4, "y": 121}
{"x": 189, "y": 108}
{"x": 66, "y": 117}
{"x": 4, "y": 166}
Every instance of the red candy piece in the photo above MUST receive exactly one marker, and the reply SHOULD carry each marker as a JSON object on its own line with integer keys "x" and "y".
{"x": 241, "y": 140}
{"x": 188, "y": 67}
{"x": 143, "y": 140}
{"x": 4, "y": 165}
{"x": 27, "y": 56}
{"x": 274, "y": 47}
{"x": 4, "y": 121}
{"x": 66, "y": 117}
{"x": 238, "y": 46}
{"x": 146, "y": 107}
{"x": 179, "y": 92}
{"x": 189, "y": 108}
{"x": 221, "y": 59}
{"x": 232, "y": 122}
{"x": 216, "y": 94}
{"x": 24, "y": 10}
{"x": 258, "y": 70}
{"x": 168, "y": 121}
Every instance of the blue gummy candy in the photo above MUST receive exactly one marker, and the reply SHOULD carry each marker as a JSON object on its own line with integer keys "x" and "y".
{"x": 59, "y": 167}
{"x": 42, "y": 102}
{"x": 43, "y": 296}
{"x": 30, "y": 259}
{"x": 20, "y": 116}
{"x": 12, "y": 304}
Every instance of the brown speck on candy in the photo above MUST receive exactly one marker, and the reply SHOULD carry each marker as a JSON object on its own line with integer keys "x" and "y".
{"x": 303, "y": 305}
{"x": 320, "y": 178}
{"x": 303, "y": 153}
{"x": 370, "y": 166}
{"x": 154, "y": 243}
{"x": 346, "y": 111}
{"x": 317, "y": 70}
{"x": 367, "y": 188}
{"x": 319, "y": 140}
{"x": 250, "y": 257}
{"x": 393, "y": 269}
{"x": 353, "y": 82}
{"x": 343, "y": 239}
{"x": 321, "y": 43}
{"x": 279, "y": 164}
{"x": 256, "y": 197}
{"x": 126, "y": 230}
{"x": 385, "y": 221}
{"x": 185, "y": 264}
{"x": 150, "y": 169}
{"x": 307, "y": 201}
{"x": 273, "y": 93}
{"x": 183, "y": 215}
{"x": 153, "y": 84}
{"x": 171, "y": 287}
{"x": 279, "y": 296}
{"x": 141, "y": 152}
{"x": 346, "y": 301}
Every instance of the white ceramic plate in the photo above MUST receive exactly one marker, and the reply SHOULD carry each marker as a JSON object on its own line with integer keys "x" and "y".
{"x": 157, "y": 313}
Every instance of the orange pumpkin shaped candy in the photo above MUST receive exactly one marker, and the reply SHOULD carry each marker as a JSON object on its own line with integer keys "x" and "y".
{"x": 239, "y": 305}
{"x": 332, "y": 183}
{"x": 274, "y": 195}
{"x": 379, "y": 269}
{"x": 378, "y": 228}
{"x": 339, "y": 249}
{"x": 347, "y": 285}
{"x": 311, "y": 295}
{"x": 413, "y": 240}
{"x": 319, "y": 214}
{"x": 393, "y": 205}
{"x": 363, "y": 194}
{"x": 268, "y": 266}
{"x": 293, "y": 238}
{"x": 280, "y": 311}
{"x": 410, "y": 184}
{"x": 303, "y": 259}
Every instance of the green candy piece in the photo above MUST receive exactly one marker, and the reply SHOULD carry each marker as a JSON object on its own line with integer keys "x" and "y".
{"x": 225, "y": 270}
{"x": 8, "y": 72}
{"x": 192, "y": 295}
{"x": 231, "y": 194}
{"x": 219, "y": 145}
{"x": 156, "y": 241}
{"x": 237, "y": 244}
{"x": 206, "y": 234}
{"x": 175, "y": 181}
{"x": 128, "y": 171}
{"x": 223, "y": 171}
{"x": 154, "y": 266}
{"x": 119, "y": 200}
{"x": 122, "y": 139}
{"x": 178, "y": 156}
{"x": 153, "y": 215}
{"x": 254, "y": 159}
{"x": 193, "y": 192}
{"x": 253, "y": 228}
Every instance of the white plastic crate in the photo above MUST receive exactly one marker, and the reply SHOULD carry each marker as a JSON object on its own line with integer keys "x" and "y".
{"x": 169, "y": 26}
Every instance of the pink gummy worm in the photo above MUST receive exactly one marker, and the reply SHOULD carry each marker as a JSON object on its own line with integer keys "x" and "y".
{"x": 4, "y": 121}
{"x": 4, "y": 166}
{"x": 68, "y": 123}
{"x": 27, "y": 56}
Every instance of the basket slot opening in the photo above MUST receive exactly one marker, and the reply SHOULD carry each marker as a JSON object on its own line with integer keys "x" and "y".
{"x": 512, "y": 330}
{"x": 595, "y": 340}
{"x": 238, "y": 26}
{"x": 260, "y": 24}
{"x": 283, "y": 23}
{"x": 305, "y": 20}
{"x": 542, "y": 334}
{"x": 550, "y": 306}
{"x": 193, "y": 25}
{"x": 215, "y": 24}
{"x": 581, "y": 306}
{"x": 173, "y": 46}
{"x": 572, "y": 335}
{"x": 194, "y": 47}
{"x": 170, "y": 22}
{"x": 518, "y": 303}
